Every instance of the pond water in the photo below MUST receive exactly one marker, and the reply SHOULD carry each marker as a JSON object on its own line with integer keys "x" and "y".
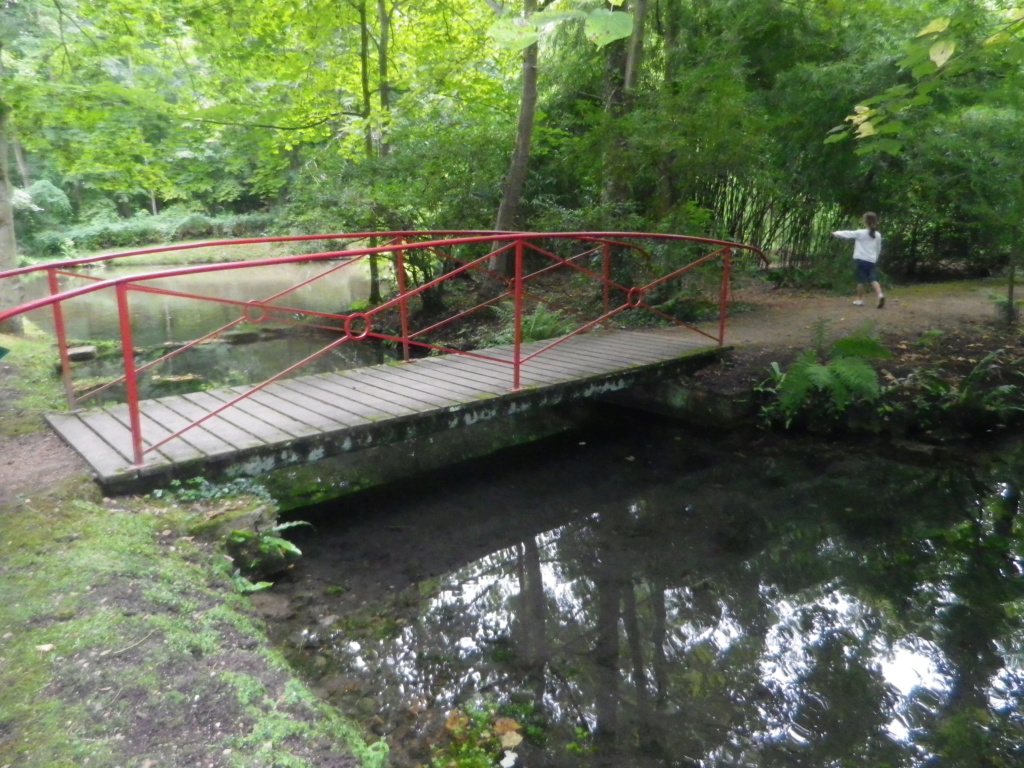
{"x": 635, "y": 594}
{"x": 160, "y": 319}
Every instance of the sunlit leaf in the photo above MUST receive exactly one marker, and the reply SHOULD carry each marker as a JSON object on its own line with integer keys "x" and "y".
{"x": 1016, "y": 15}
{"x": 604, "y": 26}
{"x": 865, "y": 129}
{"x": 513, "y": 34}
{"x": 941, "y": 51}
{"x": 936, "y": 26}
{"x": 998, "y": 37}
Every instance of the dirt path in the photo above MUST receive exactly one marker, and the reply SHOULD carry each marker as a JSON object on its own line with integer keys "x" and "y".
{"x": 786, "y": 318}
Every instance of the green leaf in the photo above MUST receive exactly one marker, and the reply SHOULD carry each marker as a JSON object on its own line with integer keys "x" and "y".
{"x": 923, "y": 69}
{"x": 513, "y": 34}
{"x": 941, "y": 51}
{"x": 603, "y": 26}
{"x": 888, "y": 146}
{"x": 935, "y": 27}
{"x": 835, "y": 138}
{"x": 857, "y": 376}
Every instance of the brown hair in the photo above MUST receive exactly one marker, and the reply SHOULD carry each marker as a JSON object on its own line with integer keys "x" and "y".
{"x": 871, "y": 222}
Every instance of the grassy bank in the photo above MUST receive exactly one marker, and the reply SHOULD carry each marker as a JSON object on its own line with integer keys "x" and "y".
{"x": 122, "y": 639}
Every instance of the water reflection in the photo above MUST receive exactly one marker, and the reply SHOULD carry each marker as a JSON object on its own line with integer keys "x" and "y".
{"x": 647, "y": 599}
{"x": 158, "y": 319}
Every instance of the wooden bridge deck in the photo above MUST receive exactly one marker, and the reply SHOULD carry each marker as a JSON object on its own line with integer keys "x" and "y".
{"x": 303, "y": 419}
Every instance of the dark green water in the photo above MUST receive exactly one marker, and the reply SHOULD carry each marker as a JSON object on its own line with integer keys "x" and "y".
{"x": 638, "y": 594}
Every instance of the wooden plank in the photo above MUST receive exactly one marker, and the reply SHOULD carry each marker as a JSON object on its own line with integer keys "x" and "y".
{"x": 238, "y": 438}
{"x": 173, "y": 451}
{"x": 430, "y": 377}
{"x": 283, "y": 413}
{"x": 566, "y": 369}
{"x": 424, "y": 381}
{"x": 348, "y": 392}
{"x": 253, "y": 416}
{"x": 469, "y": 372}
{"x": 117, "y": 433}
{"x": 313, "y": 400}
{"x": 243, "y": 420}
{"x": 98, "y": 453}
{"x": 502, "y": 376}
{"x": 378, "y": 380}
{"x": 208, "y": 443}
{"x": 412, "y": 385}
{"x": 334, "y": 402}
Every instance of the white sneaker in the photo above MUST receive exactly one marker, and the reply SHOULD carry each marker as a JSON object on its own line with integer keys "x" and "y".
{"x": 858, "y": 303}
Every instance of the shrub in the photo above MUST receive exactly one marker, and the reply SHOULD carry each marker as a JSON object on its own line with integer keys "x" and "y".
{"x": 820, "y": 386}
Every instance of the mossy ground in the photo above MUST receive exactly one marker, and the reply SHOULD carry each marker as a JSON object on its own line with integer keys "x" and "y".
{"x": 122, "y": 640}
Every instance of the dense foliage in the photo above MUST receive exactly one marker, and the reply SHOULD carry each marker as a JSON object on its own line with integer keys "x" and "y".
{"x": 710, "y": 118}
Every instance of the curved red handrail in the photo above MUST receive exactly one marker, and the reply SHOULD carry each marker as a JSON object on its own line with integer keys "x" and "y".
{"x": 359, "y": 326}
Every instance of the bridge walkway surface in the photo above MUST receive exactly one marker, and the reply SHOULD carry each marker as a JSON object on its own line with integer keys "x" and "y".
{"x": 304, "y": 419}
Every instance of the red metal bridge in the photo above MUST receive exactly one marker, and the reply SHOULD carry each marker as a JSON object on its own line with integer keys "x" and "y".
{"x": 621, "y": 291}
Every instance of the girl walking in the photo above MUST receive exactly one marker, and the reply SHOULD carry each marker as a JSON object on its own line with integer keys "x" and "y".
{"x": 867, "y": 246}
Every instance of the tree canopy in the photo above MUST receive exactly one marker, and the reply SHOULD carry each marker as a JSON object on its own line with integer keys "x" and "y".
{"x": 708, "y": 117}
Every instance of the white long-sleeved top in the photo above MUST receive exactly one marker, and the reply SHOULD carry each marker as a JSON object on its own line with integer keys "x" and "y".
{"x": 865, "y": 246}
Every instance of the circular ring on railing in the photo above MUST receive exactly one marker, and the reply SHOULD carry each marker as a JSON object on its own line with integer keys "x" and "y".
{"x": 366, "y": 327}
{"x": 634, "y": 297}
{"x": 257, "y": 318}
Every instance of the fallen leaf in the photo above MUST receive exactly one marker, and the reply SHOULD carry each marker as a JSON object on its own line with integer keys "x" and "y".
{"x": 46, "y": 648}
{"x": 504, "y": 725}
{"x": 511, "y": 739}
{"x": 456, "y": 720}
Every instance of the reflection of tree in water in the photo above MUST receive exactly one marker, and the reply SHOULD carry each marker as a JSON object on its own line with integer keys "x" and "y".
{"x": 767, "y": 626}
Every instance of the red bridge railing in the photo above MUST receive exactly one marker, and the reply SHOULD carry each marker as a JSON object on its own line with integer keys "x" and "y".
{"x": 629, "y": 276}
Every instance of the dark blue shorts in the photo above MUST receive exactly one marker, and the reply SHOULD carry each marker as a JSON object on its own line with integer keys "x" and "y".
{"x": 867, "y": 271}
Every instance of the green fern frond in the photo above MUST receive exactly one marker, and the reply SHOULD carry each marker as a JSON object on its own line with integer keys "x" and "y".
{"x": 857, "y": 376}
{"x": 795, "y": 385}
{"x": 820, "y": 376}
{"x": 991, "y": 362}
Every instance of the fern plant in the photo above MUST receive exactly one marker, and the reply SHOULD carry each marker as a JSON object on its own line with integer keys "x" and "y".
{"x": 825, "y": 381}
{"x": 992, "y": 393}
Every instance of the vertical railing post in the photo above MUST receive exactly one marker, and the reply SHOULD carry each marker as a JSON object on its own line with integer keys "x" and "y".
{"x": 130, "y": 381}
{"x": 60, "y": 331}
{"x": 403, "y": 304}
{"x": 606, "y": 273}
{"x": 723, "y": 302}
{"x": 517, "y": 300}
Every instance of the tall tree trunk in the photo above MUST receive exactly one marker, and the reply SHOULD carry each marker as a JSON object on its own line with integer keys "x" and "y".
{"x": 19, "y": 157}
{"x": 384, "y": 21}
{"x": 11, "y": 292}
{"x": 512, "y": 194}
{"x": 622, "y": 72}
{"x": 368, "y": 147}
{"x": 515, "y": 179}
